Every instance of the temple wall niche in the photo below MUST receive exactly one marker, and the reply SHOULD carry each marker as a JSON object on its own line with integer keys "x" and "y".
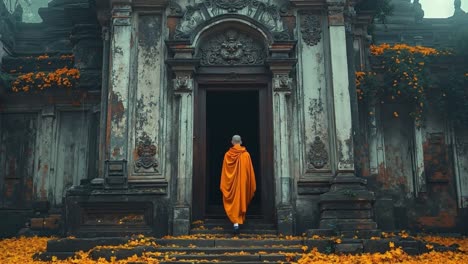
{"x": 150, "y": 104}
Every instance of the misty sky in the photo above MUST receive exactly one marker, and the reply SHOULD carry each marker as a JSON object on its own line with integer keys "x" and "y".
{"x": 432, "y": 8}
{"x": 440, "y": 8}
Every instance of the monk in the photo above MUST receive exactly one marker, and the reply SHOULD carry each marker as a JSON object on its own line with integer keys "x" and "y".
{"x": 237, "y": 182}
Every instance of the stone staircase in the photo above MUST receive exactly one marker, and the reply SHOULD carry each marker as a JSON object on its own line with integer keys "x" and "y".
{"x": 225, "y": 248}
{"x": 253, "y": 249}
{"x": 222, "y": 226}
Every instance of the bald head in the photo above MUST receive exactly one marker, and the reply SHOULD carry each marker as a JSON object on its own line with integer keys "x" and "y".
{"x": 236, "y": 139}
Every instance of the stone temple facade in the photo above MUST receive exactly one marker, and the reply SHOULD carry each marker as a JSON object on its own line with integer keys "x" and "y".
{"x": 135, "y": 146}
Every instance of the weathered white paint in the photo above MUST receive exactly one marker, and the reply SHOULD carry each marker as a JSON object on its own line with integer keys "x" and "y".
{"x": 314, "y": 103}
{"x": 148, "y": 97}
{"x": 341, "y": 99}
{"x": 460, "y": 155}
{"x": 185, "y": 146}
{"x": 72, "y": 152}
{"x": 420, "y": 177}
{"x": 281, "y": 146}
{"x": 118, "y": 99}
{"x": 397, "y": 176}
{"x": 376, "y": 140}
{"x": 44, "y": 181}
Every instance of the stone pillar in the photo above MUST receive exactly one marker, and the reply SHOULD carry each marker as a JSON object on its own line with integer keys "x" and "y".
{"x": 46, "y": 171}
{"x": 376, "y": 140}
{"x": 420, "y": 179}
{"x": 348, "y": 205}
{"x": 119, "y": 81}
{"x": 103, "y": 150}
{"x": 282, "y": 85}
{"x": 183, "y": 71}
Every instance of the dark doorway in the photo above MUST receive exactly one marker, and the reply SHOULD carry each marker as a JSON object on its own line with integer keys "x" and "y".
{"x": 221, "y": 111}
{"x": 230, "y": 113}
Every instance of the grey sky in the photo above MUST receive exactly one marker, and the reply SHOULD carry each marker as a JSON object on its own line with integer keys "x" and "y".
{"x": 440, "y": 8}
{"x": 432, "y": 8}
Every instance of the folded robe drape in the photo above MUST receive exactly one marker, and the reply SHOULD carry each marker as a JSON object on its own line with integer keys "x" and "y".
{"x": 237, "y": 183}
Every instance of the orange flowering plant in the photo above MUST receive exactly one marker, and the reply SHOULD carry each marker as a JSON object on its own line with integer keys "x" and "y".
{"x": 61, "y": 78}
{"x": 405, "y": 76}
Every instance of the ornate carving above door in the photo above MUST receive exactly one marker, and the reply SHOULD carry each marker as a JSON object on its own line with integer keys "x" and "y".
{"x": 269, "y": 15}
{"x": 232, "y": 47}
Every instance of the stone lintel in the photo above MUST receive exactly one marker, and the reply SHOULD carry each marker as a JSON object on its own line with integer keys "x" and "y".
{"x": 137, "y": 3}
{"x": 309, "y": 4}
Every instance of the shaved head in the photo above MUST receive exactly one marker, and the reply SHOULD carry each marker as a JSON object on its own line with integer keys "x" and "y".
{"x": 236, "y": 139}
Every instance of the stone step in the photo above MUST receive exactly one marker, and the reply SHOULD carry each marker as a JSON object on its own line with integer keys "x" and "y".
{"x": 233, "y": 257}
{"x": 349, "y": 248}
{"x": 349, "y": 224}
{"x": 224, "y": 242}
{"x": 226, "y": 225}
{"x": 216, "y": 262}
{"x": 229, "y": 231}
{"x": 85, "y": 244}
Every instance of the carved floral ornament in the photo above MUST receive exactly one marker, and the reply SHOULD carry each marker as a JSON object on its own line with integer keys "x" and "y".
{"x": 146, "y": 151}
{"x": 317, "y": 156}
{"x": 260, "y": 10}
{"x": 311, "y": 29}
{"x": 232, "y": 48}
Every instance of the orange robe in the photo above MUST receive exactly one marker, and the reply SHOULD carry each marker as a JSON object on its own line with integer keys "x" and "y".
{"x": 237, "y": 183}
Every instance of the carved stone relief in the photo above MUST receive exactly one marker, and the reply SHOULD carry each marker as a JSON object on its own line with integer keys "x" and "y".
{"x": 282, "y": 82}
{"x": 311, "y": 29}
{"x": 267, "y": 14}
{"x": 317, "y": 156}
{"x": 183, "y": 82}
{"x": 232, "y": 48}
{"x": 146, "y": 151}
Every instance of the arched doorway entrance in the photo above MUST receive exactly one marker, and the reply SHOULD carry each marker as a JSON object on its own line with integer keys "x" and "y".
{"x": 231, "y": 77}
{"x": 232, "y": 96}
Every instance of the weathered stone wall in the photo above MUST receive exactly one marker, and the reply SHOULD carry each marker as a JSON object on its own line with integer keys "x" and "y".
{"x": 418, "y": 173}
{"x": 48, "y": 138}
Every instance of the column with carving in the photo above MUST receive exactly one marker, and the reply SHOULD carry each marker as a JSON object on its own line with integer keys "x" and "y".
{"x": 282, "y": 85}
{"x": 119, "y": 81}
{"x": 348, "y": 205}
{"x": 183, "y": 88}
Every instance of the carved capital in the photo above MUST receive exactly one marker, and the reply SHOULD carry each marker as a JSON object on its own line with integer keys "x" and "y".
{"x": 311, "y": 29}
{"x": 146, "y": 151}
{"x": 317, "y": 156}
{"x": 183, "y": 83}
{"x": 336, "y": 13}
{"x": 121, "y": 15}
{"x": 282, "y": 82}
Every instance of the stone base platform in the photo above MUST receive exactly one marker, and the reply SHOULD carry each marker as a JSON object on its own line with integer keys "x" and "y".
{"x": 245, "y": 248}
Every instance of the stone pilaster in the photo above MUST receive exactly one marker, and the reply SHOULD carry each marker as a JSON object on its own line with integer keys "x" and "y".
{"x": 119, "y": 81}
{"x": 282, "y": 84}
{"x": 183, "y": 68}
{"x": 348, "y": 205}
